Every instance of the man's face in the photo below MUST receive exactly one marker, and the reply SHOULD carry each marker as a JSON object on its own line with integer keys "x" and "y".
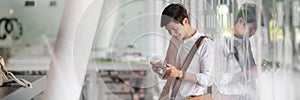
{"x": 176, "y": 30}
{"x": 245, "y": 28}
{"x": 251, "y": 28}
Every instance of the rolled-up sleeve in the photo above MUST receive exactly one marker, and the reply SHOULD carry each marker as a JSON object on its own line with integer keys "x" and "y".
{"x": 206, "y": 61}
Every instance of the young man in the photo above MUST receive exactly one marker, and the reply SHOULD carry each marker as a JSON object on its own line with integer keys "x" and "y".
{"x": 236, "y": 68}
{"x": 175, "y": 19}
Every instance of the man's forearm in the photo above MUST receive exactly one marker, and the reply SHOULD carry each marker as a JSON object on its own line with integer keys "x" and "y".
{"x": 251, "y": 72}
{"x": 190, "y": 77}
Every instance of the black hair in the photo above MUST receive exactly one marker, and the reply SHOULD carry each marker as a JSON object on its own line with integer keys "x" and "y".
{"x": 175, "y": 13}
{"x": 247, "y": 11}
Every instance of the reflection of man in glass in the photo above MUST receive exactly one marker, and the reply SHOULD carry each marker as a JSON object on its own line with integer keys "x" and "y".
{"x": 198, "y": 75}
{"x": 236, "y": 67}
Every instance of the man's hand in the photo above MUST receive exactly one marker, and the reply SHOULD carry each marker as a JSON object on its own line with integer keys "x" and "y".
{"x": 172, "y": 71}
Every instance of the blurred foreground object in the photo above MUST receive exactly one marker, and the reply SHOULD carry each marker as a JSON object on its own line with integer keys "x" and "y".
{"x": 268, "y": 65}
{"x": 8, "y": 77}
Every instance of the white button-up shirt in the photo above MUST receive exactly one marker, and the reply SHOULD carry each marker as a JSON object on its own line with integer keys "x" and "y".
{"x": 203, "y": 60}
{"x": 234, "y": 56}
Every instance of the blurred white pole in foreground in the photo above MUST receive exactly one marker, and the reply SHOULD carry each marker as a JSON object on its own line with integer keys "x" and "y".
{"x": 72, "y": 49}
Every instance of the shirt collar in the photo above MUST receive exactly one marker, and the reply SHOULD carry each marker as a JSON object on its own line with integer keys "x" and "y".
{"x": 193, "y": 38}
{"x": 238, "y": 39}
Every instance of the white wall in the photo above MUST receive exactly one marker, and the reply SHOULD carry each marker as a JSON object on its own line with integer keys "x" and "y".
{"x": 126, "y": 22}
{"x": 41, "y": 20}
